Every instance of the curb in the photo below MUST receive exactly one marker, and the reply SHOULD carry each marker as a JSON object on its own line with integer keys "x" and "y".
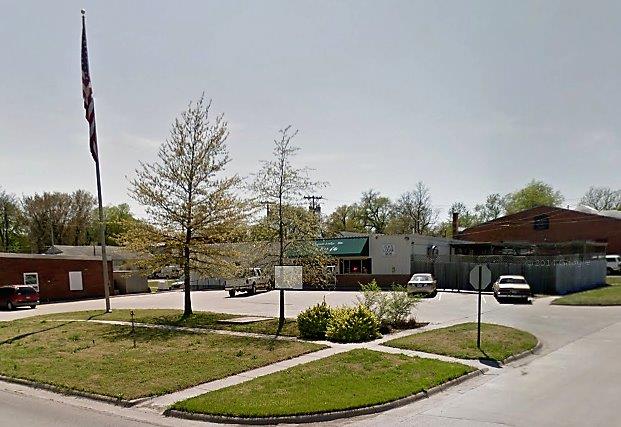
{"x": 323, "y": 416}
{"x": 69, "y": 392}
{"x": 523, "y": 354}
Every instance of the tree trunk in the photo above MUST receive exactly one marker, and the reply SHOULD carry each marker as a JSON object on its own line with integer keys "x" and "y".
{"x": 187, "y": 310}
{"x": 281, "y": 317}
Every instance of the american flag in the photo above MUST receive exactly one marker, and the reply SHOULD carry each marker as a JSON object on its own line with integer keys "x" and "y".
{"x": 87, "y": 94}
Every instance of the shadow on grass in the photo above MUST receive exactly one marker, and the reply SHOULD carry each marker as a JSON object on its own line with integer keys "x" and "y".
{"x": 32, "y": 333}
{"x": 142, "y": 334}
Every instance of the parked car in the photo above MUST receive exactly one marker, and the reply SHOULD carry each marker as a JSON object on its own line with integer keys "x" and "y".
{"x": 423, "y": 284}
{"x": 18, "y": 296}
{"x": 613, "y": 264}
{"x": 511, "y": 287}
{"x": 253, "y": 280}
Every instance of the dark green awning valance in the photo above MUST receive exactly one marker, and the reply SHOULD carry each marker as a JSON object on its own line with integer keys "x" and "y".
{"x": 350, "y": 246}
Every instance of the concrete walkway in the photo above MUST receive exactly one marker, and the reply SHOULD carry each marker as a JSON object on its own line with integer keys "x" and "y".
{"x": 183, "y": 329}
{"x": 160, "y": 403}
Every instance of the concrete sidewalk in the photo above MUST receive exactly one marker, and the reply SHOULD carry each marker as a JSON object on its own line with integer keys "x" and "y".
{"x": 183, "y": 329}
{"x": 162, "y": 402}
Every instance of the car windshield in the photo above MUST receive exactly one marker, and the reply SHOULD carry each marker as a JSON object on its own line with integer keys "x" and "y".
{"x": 421, "y": 278}
{"x": 513, "y": 280}
{"x": 26, "y": 290}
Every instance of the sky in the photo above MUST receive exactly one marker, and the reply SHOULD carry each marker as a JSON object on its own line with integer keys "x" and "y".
{"x": 470, "y": 97}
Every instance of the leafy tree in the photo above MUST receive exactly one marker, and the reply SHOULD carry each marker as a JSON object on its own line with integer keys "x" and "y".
{"x": 344, "y": 218}
{"x": 375, "y": 211}
{"x": 602, "y": 198}
{"x": 536, "y": 193}
{"x": 58, "y": 218}
{"x": 281, "y": 184}
{"x": 12, "y": 235}
{"x": 413, "y": 211}
{"x": 118, "y": 220}
{"x": 465, "y": 218}
{"x": 493, "y": 208}
{"x": 190, "y": 202}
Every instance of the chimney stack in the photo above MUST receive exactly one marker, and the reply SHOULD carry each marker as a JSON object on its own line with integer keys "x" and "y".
{"x": 455, "y": 223}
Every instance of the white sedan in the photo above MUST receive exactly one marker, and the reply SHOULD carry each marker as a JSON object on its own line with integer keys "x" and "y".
{"x": 422, "y": 284}
{"x": 511, "y": 287}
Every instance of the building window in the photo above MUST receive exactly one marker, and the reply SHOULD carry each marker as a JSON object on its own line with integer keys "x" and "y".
{"x": 75, "y": 281}
{"x": 355, "y": 266}
{"x": 32, "y": 279}
{"x": 541, "y": 222}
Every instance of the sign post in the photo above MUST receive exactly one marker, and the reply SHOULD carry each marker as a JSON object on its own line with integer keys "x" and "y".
{"x": 286, "y": 277}
{"x": 480, "y": 277}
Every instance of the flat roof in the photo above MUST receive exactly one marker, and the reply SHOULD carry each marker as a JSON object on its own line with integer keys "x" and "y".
{"x": 43, "y": 256}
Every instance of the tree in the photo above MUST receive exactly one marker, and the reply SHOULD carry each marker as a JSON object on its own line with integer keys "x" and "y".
{"x": 375, "y": 210}
{"x": 465, "y": 219}
{"x": 493, "y": 208}
{"x": 58, "y": 218}
{"x": 536, "y": 193}
{"x": 281, "y": 184}
{"x": 190, "y": 203}
{"x": 413, "y": 211}
{"x": 12, "y": 235}
{"x": 118, "y": 220}
{"x": 602, "y": 198}
{"x": 344, "y": 218}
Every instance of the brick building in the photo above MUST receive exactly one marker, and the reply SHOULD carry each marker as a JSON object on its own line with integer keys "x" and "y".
{"x": 546, "y": 224}
{"x": 58, "y": 278}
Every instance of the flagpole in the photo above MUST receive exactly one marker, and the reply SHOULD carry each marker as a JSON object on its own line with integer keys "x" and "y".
{"x": 95, "y": 152}
{"x": 102, "y": 232}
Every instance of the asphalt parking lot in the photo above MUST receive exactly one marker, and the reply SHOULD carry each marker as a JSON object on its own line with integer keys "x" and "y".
{"x": 573, "y": 380}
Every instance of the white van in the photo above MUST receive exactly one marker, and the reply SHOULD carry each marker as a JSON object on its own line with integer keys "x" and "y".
{"x": 613, "y": 264}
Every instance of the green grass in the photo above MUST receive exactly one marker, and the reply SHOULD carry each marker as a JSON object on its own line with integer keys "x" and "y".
{"x": 200, "y": 319}
{"x": 101, "y": 358}
{"x": 497, "y": 342}
{"x": 606, "y": 295}
{"x": 354, "y": 379}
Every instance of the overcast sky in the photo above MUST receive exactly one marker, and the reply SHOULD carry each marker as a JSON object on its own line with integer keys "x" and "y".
{"x": 471, "y": 97}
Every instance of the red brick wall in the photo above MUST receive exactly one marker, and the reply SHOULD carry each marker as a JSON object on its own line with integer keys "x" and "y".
{"x": 54, "y": 276}
{"x": 565, "y": 225}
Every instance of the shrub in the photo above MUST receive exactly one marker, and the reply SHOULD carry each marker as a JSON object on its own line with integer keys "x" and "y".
{"x": 393, "y": 308}
{"x": 353, "y": 324}
{"x": 313, "y": 321}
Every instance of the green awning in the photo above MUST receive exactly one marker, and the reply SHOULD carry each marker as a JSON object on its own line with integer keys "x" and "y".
{"x": 350, "y": 246}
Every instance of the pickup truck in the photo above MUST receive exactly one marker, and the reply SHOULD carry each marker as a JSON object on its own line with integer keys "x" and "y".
{"x": 253, "y": 280}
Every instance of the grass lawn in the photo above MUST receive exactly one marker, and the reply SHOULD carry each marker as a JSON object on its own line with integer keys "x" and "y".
{"x": 354, "y": 379}
{"x": 606, "y": 295}
{"x": 101, "y": 359}
{"x": 497, "y": 342}
{"x": 200, "y": 319}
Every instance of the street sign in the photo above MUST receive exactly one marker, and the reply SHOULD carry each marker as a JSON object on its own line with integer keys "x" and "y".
{"x": 486, "y": 277}
{"x": 288, "y": 277}
{"x": 480, "y": 277}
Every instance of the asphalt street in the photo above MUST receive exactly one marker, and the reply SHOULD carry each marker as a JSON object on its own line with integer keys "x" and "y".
{"x": 572, "y": 381}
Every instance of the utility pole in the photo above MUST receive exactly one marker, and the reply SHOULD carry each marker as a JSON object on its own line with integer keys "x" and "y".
{"x": 314, "y": 206}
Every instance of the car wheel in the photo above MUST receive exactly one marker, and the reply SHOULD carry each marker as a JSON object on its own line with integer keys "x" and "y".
{"x": 254, "y": 289}
{"x": 33, "y": 306}
{"x": 433, "y": 294}
{"x": 609, "y": 271}
{"x": 232, "y": 293}
{"x": 9, "y": 306}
